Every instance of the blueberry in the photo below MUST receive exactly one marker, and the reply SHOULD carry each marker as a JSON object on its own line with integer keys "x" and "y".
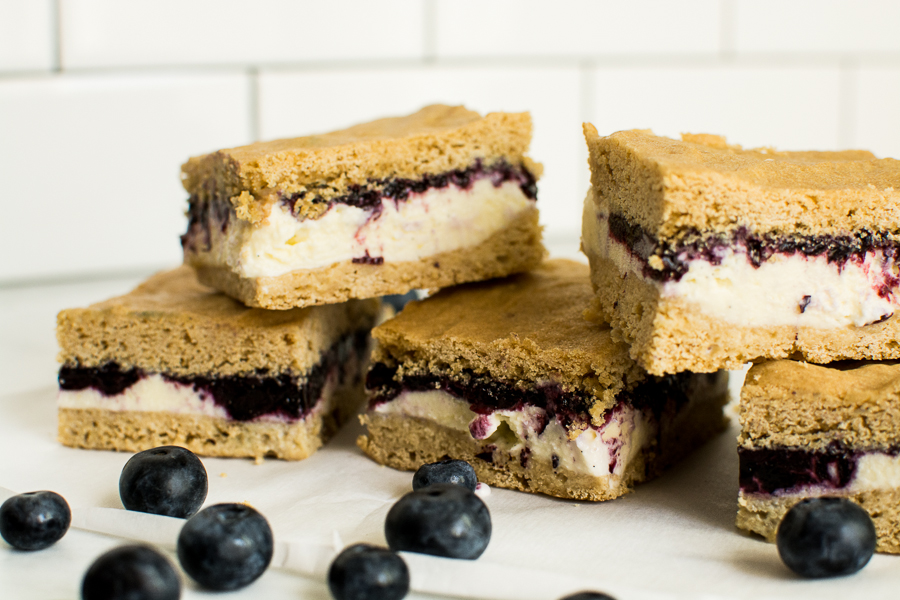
{"x": 168, "y": 480}
{"x": 458, "y": 472}
{"x": 364, "y": 572}
{"x": 588, "y": 596}
{"x": 398, "y": 301}
{"x": 34, "y": 520}
{"x": 443, "y": 519}
{"x": 826, "y": 537}
{"x": 133, "y": 572}
{"x": 225, "y": 546}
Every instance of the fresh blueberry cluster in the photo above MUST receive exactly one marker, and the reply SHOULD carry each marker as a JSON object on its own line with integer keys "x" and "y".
{"x": 228, "y": 546}
{"x": 223, "y": 547}
{"x": 441, "y": 516}
{"x": 443, "y": 519}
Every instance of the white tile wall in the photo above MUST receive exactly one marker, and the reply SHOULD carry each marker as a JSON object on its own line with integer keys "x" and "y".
{"x": 314, "y": 102}
{"x": 101, "y": 100}
{"x": 786, "y": 107}
{"x": 27, "y": 35}
{"x": 877, "y": 106}
{"x": 112, "y": 33}
{"x": 475, "y": 28}
{"x": 827, "y": 27}
{"x": 90, "y": 166}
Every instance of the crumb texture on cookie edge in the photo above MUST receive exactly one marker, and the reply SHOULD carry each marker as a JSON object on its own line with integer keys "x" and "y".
{"x": 670, "y": 187}
{"x": 435, "y": 139}
{"x": 173, "y": 324}
{"x": 524, "y": 329}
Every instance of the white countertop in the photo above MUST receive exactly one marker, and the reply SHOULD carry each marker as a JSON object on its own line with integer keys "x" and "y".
{"x": 672, "y": 538}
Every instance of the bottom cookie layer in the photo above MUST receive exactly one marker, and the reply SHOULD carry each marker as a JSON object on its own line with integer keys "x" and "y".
{"x": 515, "y": 249}
{"x": 405, "y": 442}
{"x": 134, "y": 431}
{"x": 763, "y": 514}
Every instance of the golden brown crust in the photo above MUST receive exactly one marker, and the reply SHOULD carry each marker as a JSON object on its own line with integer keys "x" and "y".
{"x": 762, "y": 515}
{"x": 407, "y": 443}
{"x": 514, "y": 249}
{"x": 209, "y": 436}
{"x": 525, "y": 328}
{"x": 669, "y": 187}
{"x": 796, "y": 404}
{"x": 172, "y": 324}
{"x": 669, "y": 335}
{"x": 434, "y": 140}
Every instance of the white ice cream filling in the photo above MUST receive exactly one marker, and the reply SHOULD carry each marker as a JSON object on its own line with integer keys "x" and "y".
{"x": 786, "y": 289}
{"x": 154, "y": 393}
{"x": 603, "y": 451}
{"x": 424, "y": 224}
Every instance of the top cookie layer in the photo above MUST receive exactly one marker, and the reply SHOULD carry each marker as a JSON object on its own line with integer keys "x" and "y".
{"x": 669, "y": 187}
{"x": 798, "y": 404}
{"x": 527, "y": 328}
{"x": 436, "y": 139}
{"x": 171, "y": 323}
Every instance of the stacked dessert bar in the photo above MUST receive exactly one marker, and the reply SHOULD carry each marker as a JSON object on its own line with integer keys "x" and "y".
{"x": 259, "y": 345}
{"x": 707, "y": 256}
{"x": 510, "y": 377}
{"x": 820, "y": 430}
{"x": 176, "y": 363}
{"x": 434, "y": 199}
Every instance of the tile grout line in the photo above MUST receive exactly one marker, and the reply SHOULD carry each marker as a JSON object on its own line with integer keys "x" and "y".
{"x": 57, "y": 279}
{"x": 429, "y": 31}
{"x": 847, "y": 94}
{"x": 634, "y": 61}
{"x": 586, "y": 81}
{"x": 253, "y": 103}
{"x": 727, "y": 29}
{"x": 56, "y": 34}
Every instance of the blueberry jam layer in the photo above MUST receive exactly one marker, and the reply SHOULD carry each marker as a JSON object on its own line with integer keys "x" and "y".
{"x": 661, "y": 395}
{"x": 676, "y": 255}
{"x": 371, "y": 194}
{"x": 204, "y": 215}
{"x": 244, "y": 397}
{"x": 770, "y": 471}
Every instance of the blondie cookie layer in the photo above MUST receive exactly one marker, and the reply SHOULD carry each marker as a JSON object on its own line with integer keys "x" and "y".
{"x": 436, "y": 198}
{"x": 705, "y": 256}
{"x": 509, "y": 376}
{"x": 174, "y": 362}
{"x": 815, "y": 430}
